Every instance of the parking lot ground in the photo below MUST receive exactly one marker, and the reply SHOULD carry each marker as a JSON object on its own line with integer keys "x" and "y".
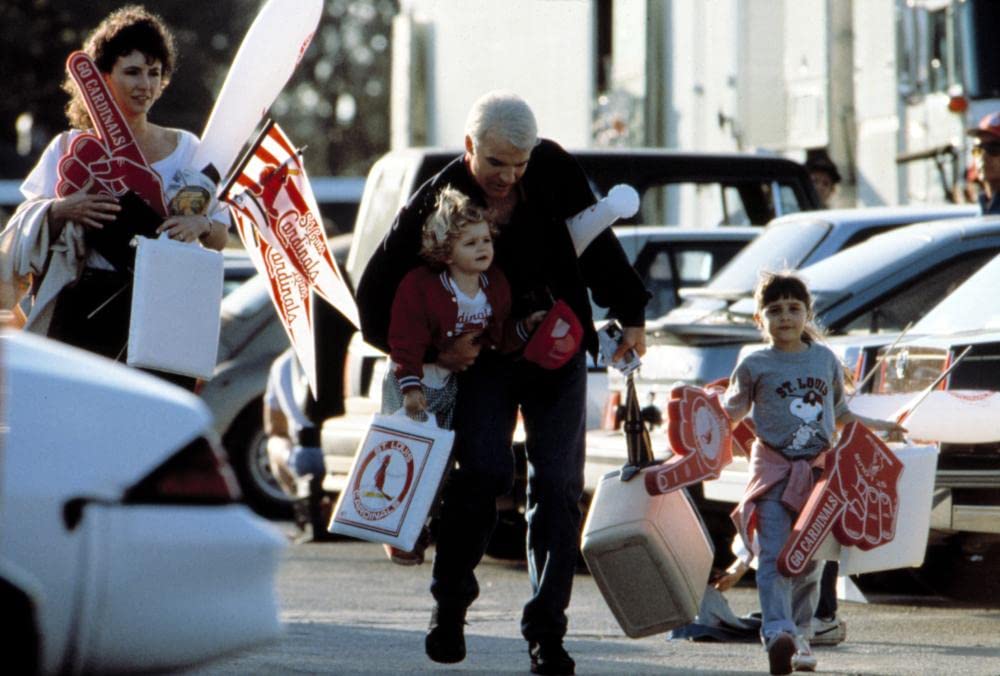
{"x": 348, "y": 610}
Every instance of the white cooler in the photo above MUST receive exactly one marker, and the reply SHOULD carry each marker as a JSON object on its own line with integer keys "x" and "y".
{"x": 907, "y": 548}
{"x": 176, "y": 302}
{"x": 649, "y": 554}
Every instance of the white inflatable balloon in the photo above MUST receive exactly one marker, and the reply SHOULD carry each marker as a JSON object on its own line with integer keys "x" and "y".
{"x": 621, "y": 201}
{"x": 262, "y": 66}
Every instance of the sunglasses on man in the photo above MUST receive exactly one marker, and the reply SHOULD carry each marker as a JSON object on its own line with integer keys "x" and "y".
{"x": 991, "y": 149}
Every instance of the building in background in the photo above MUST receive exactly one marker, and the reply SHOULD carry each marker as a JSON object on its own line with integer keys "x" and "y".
{"x": 887, "y": 86}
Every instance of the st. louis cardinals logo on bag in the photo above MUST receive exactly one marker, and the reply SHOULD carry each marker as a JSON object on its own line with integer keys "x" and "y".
{"x": 383, "y": 480}
{"x": 856, "y": 498}
{"x": 394, "y": 481}
{"x": 698, "y": 429}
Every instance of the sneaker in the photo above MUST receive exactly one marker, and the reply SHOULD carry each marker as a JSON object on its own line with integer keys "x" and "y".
{"x": 803, "y": 659}
{"x": 831, "y": 631}
{"x": 780, "y": 649}
{"x": 549, "y": 657}
{"x": 445, "y": 640}
{"x": 412, "y": 558}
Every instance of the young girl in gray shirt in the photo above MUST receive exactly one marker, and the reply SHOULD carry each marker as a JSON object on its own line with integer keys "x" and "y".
{"x": 794, "y": 392}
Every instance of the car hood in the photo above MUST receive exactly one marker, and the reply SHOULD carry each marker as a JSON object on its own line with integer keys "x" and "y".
{"x": 131, "y": 421}
{"x": 701, "y": 334}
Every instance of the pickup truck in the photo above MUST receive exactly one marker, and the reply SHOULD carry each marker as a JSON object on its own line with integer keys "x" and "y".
{"x": 727, "y": 188}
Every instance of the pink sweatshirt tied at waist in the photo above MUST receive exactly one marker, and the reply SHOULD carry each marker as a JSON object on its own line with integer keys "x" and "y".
{"x": 768, "y": 467}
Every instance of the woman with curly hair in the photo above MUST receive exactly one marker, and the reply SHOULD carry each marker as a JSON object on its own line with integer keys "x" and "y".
{"x": 78, "y": 295}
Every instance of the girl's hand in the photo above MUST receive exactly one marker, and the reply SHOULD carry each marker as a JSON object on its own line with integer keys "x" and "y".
{"x": 186, "y": 228}
{"x": 415, "y": 403}
{"x": 532, "y": 321}
{"x": 85, "y": 208}
{"x": 895, "y": 431}
{"x": 733, "y": 574}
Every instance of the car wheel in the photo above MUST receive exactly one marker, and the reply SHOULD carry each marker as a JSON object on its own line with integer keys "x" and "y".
{"x": 246, "y": 444}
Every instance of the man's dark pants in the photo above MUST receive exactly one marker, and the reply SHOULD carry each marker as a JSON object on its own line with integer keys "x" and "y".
{"x": 553, "y": 408}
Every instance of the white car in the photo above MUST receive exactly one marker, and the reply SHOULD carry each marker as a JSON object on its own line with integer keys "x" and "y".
{"x": 122, "y": 547}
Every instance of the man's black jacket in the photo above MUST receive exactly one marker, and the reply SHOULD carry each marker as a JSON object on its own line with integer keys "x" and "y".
{"x": 534, "y": 250}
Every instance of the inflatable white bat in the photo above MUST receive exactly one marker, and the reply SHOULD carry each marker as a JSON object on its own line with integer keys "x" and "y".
{"x": 621, "y": 202}
{"x": 263, "y": 65}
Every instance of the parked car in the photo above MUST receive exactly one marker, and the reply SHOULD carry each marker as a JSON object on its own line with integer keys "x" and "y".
{"x": 798, "y": 240}
{"x": 122, "y": 548}
{"x": 237, "y": 268}
{"x": 966, "y": 506}
{"x": 250, "y": 339}
{"x": 698, "y": 341}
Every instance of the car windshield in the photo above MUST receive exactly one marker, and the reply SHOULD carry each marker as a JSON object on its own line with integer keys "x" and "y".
{"x": 970, "y": 307}
{"x": 783, "y": 244}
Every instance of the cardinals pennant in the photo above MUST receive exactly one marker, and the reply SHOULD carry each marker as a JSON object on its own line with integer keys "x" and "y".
{"x": 856, "y": 498}
{"x": 277, "y": 218}
{"x": 698, "y": 429}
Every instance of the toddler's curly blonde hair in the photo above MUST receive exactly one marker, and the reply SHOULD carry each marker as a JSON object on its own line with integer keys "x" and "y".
{"x": 453, "y": 212}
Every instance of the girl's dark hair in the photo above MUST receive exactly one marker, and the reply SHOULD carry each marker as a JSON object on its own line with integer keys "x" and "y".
{"x": 122, "y": 32}
{"x": 774, "y": 286}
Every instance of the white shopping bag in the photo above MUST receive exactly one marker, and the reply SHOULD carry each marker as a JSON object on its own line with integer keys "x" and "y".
{"x": 176, "y": 301}
{"x": 394, "y": 481}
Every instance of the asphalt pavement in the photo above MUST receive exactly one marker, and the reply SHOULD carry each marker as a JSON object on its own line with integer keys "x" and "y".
{"x": 348, "y": 610}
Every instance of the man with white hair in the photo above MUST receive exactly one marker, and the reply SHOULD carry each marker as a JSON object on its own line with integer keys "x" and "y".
{"x": 531, "y": 186}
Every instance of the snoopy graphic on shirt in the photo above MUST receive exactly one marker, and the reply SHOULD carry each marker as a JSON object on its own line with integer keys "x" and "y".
{"x": 809, "y": 410}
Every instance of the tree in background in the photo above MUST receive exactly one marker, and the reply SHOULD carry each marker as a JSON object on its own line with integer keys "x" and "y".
{"x": 337, "y": 103}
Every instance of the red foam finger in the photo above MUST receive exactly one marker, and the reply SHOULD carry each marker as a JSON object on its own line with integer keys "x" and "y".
{"x": 698, "y": 431}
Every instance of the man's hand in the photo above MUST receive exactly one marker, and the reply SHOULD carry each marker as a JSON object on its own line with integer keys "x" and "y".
{"x": 460, "y": 353}
{"x": 633, "y": 337}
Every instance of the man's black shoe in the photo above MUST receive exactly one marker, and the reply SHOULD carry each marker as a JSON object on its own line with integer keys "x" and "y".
{"x": 445, "y": 640}
{"x": 549, "y": 657}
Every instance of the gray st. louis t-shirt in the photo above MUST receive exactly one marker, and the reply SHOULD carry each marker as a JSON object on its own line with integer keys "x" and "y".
{"x": 794, "y": 398}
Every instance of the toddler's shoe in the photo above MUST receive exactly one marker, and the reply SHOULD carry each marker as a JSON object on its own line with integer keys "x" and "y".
{"x": 828, "y": 631}
{"x": 780, "y": 649}
{"x": 412, "y": 558}
{"x": 402, "y": 557}
{"x": 803, "y": 659}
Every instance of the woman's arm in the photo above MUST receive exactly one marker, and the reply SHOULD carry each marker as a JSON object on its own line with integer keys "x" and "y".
{"x": 90, "y": 210}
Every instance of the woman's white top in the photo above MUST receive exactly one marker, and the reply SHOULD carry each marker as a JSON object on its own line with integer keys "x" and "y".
{"x": 41, "y": 182}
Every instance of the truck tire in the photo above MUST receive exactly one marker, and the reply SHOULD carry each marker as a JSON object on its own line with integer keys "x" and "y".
{"x": 246, "y": 445}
